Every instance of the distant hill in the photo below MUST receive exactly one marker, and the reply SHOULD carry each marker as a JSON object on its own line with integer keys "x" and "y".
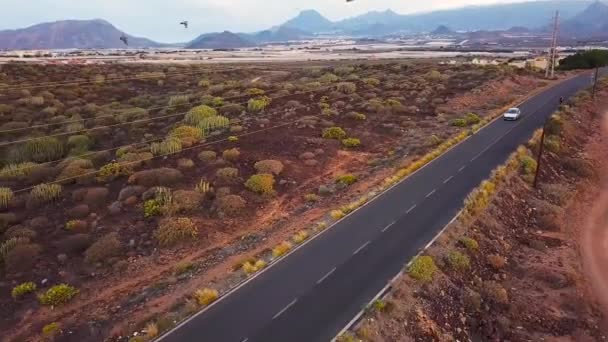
{"x": 70, "y": 34}
{"x": 442, "y": 30}
{"x": 532, "y": 14}
{"x": 310, "y": 21}
{"x": 279, "y": 34}
{"x": 592, "y": 22}
{"x": 221, "y": 40}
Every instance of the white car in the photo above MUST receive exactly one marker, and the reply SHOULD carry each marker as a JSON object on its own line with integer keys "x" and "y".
{"x": 512, "y": 114}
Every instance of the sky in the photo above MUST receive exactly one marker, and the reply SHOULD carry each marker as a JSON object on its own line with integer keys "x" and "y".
{"x": 159, "y": 19}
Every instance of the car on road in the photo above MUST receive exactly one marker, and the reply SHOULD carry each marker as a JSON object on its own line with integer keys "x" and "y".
{"x": 512, "y": 114}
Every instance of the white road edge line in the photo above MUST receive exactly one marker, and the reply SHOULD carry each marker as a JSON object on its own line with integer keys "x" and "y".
{"x": 410, "y": 209}
{"x": 326, "y": 275}
{"x": 430, "y": 193}
{"x": 285, "y": 309}
{"x": 448, "y": 179}
{"x": 387, "y": 227}
{"x": 361, "y": 248}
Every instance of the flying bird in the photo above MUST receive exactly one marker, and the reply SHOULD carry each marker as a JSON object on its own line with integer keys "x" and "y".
{"x": 124, "y": 39}
{"x": 185, "y": 23}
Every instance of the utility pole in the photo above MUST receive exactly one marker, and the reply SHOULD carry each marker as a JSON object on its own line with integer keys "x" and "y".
{"x": 540, "y": 154}
{"x": 595, "y": 76}
{"x": 550, "y": 70}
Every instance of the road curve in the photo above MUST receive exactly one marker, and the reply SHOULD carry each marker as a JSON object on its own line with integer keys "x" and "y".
{"x": 311, "y": 294}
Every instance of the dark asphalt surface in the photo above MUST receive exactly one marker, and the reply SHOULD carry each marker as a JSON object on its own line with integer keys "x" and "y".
{"x": 312, "y": 294}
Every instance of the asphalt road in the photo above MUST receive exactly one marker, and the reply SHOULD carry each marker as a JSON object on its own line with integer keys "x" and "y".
{"x": 313, "y": 293}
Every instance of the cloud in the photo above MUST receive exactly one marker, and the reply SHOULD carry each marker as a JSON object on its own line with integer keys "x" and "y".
{"x": 159, "y": 19}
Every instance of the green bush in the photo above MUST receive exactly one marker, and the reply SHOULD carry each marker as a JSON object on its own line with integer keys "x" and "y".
{"x": 198, "y": 113}
{"x": 38, "y": 150}
{"x": 472, "y": 119}
{"x": 270, "y": 166}
{"x": 169, "y": 146}
{"x": 422, "y": 268}
{"x": 347, "y": 179}
{"x": 50, "y": 330}
{"x": 459, "y": 123}
{"x": 23, "y": 289}
{"x": 328, "y": 78}
{"x": 173, "y": 230}
{"x": 43, "y": 193}
{"x": 58, "y": 294}
{"x": 469, "y": 243}
{"x": 258, "y": 104}
{"x": 179, "y": 100}
{"x": 6, "y": 195}
{"x": 111, "y": 171}
{"x": 262, "y": 184}
{"x": 334, "y": 133}
{"x": 346, "y": 87}
{"x": 458, "y": 261}
{"x": 255, "y": 92}
{"x": 187, "y": 134}
{"x": 585, "y": 60}
{"x": 152, "y": 207}
{"x": 214, "y": 123}
{"x": 374, "y": 82}
{"x": 528, "y": 165}
{"x": 79, "y": 144}
{"x": 552, "y": 143}
{"x": 232, "y": 154}
{"x": 16, "y": 171}
{"x": 351, "y": 142}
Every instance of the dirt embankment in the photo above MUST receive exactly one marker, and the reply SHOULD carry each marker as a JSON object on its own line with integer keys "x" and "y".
{"x": 531, "y": 266}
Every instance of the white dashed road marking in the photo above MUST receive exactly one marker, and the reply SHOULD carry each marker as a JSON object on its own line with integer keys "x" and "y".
{"x": 430, "y": 193}
{"x": 361, "y": 248}
{"x": 448, "y": 179}
{"x": 387, "y": 227}
{"x": 326, "y": 275}
{"x": 410, "y": 209}
{"x": 285, "y": 308}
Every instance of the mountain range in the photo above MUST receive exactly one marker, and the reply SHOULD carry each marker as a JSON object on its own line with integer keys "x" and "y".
{"x": 579, "y": 18}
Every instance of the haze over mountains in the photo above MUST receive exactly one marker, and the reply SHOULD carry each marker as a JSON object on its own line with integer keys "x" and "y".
{"x": 579, "y": 18}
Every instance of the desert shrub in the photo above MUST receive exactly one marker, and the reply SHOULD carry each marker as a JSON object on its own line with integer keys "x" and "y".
{"x": 344, "y": 70}
{"x": 156, "y": 177}
{"x": 346, "y": 87}
{"x": 270, "y": 166}
{"x": 329, "y": 112}
{"x": 50, "y": 330}
{"x": 459, "y": 122}
{"x": 32, "y": 101}
{"x": 204, "y": 83}
{"x": 6, "y": 195}
{"x": 552, "y": 143}
{"x": 311, "y": 198}
{"x": 23, "y": 289}
{"x": 76, "y": 225}
{"x": 152, "y": 207}
{"x": 184, "y": 200}
{"x": 151, "y": 330}
{"x": 43, "y": 193}
{"x": 203, "y": 187}
{"x": 169, "y": 146}
{"x": 38, "y": 150}
{"x": 495, "y": 292}
{"x": 173, "y": 230}
{"x": 469, "y": 243}
{"x": 578, "y": 166}
{"x": 232, "y": 154}
{"x": 20, "y": 232}
{"x": 198, "y": 113}
{"x": 262, "y": 184}
{"x": 188, "y": 134}
{"x": 433, "y": 75}
{"x": 356, "y": 116}
{"x": 281, "y": 249}
{"x": 206, "y": 296}
{"x": 227, "y": 174}
{"x": 347, "y": 179}
{"x": 351, "y": 142}
{"x": 458, "y": 261}
{"x": 422, "y": 268}
{"x": 79, "y": 144}
{"x": 79, "y": 170}
{"x": 107, "y": 246}
{"x": 527, "y": 165}
{"x": 253, "y": 267}
{"x": 207, "y": 156}
{"x": 337, "y": 214}
{"x": 21, "y": 257}
{"x": 328, "y": 78}
{"x": 434, "y": 140}
{"x": 128, "y": 115}
{"x": 554, "y": 125}
{"x": 232, "y": 109}
{"x": 334, "y": 133}
{"x": 58, "y": 294}
{"x": 179, "y": 100}
{"x": 230, "y": 204}
{"x": 370, "y": 81}
{"x": 300, "y": 237}
{"x": 214, "y": 123}
{"x": 233, "y": 138}
{"x": 10, "y": 244}
{"x": 111, "y": 171}
{"x": 255, "y": 92}
{"x": 496, "y": 261}
{"x": 472, "y": 119}
{"x": 258, "y": 104}
{"x": 16, "y": 171}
